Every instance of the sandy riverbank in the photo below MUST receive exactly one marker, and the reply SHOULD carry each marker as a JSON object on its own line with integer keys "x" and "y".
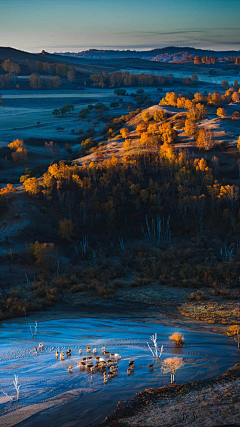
{"x": 200, "y": 404}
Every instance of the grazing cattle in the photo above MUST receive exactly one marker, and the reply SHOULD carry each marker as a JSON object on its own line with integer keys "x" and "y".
{"x": 130, "y": 371}
{"x": 117, "y": 356}
{"x": 89, "y": 365}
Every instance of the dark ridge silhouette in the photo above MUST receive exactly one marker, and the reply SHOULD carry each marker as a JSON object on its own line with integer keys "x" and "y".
{"x": 16, "y": 55}
{"x": 166, "y": 54}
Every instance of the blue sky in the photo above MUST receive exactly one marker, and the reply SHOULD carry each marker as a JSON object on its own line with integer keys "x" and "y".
{"x": 72, "y": 25}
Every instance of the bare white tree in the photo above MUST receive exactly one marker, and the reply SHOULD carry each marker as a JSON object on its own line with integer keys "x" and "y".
{"x": 84, "y": 245}
{"x": 171, "y": 365}
{"x": 9, "y": 397}
{"x": 34, "y": 331}
{"x": 158, "y": 230}
{"x": 122, "y": 245}
{"x": 156, "y": 352}
{"x": 16, "y": 385}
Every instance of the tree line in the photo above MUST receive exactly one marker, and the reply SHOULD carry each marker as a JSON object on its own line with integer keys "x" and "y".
{"x": 58, "y": 71}
{"x": 120, "y": 193}
{"x": 118, "y": 79}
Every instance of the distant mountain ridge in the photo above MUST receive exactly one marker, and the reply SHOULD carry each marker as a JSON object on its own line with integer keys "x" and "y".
{"x": 166, "y": 54}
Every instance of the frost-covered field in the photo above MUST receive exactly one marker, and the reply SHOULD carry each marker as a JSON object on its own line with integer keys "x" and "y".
{"x": 21, "y": 110}
{"x": 46, "y": 383}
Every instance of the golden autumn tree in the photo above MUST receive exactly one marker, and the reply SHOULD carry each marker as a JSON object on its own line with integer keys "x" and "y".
{"x": 148, "y": 140}
{"x": 236, "y": 97}
{"x": 238, "y": 144}
{"x": 7, "y": 191}
{"x": 19, "y": 151}
{"x": 127, "y": 144}
{"x": 221, "y": 112}
{"x": 171, "y": 99}
{"x": 20, "y": 155}
{"x": 145, "y": 139}
{"x": 188, "y": 104}
{"x": 146, "y": 116}
{"x": 45, "y": 255}
{"x": 159, "y": 116}
{"x": 205, "y": 139}
{"x": 167, "y": 152}
{"x": 152, "y": 129}
{"x": 140, "y": 129}
{"x": 124, "y": 132}
{"x": 229, "y": 192}
{"x": 190, "y": 127}
{"x": 215, "y": 98}
{"x": 171, "y": 365}
{"x": 181, "y": 102}
{"x": 32, "y": 186}
{"x": 168, "y": 134}
{"x": 17, "y": 143}
{"x": 198, "y": 97}
{"x": 66, "y": 229}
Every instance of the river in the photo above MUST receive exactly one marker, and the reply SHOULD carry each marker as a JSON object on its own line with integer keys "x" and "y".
{"x": 43, "y": 378}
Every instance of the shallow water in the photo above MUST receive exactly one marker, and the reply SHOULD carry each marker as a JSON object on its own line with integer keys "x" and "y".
{"x": 42, "y": 377}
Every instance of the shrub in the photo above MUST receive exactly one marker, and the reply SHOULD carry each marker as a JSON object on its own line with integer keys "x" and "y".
{"x": 146, "y": 116}
{"x": 78, "y": 288}
{"x": 126, "y": 144}
{"x": 236, "y": 115}
{"x": 159, "y": 115}
{"x": 177, "y": 338}
{"x": 87, "y": 144}
{"x": 124, "y": 132}
{"x": 120, "y": 92}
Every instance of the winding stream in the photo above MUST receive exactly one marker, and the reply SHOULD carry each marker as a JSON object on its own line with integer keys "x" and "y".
{"x": 42, "y": 377}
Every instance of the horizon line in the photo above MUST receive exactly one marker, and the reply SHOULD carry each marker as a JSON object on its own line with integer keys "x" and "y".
{"x": 137, "y": 48}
